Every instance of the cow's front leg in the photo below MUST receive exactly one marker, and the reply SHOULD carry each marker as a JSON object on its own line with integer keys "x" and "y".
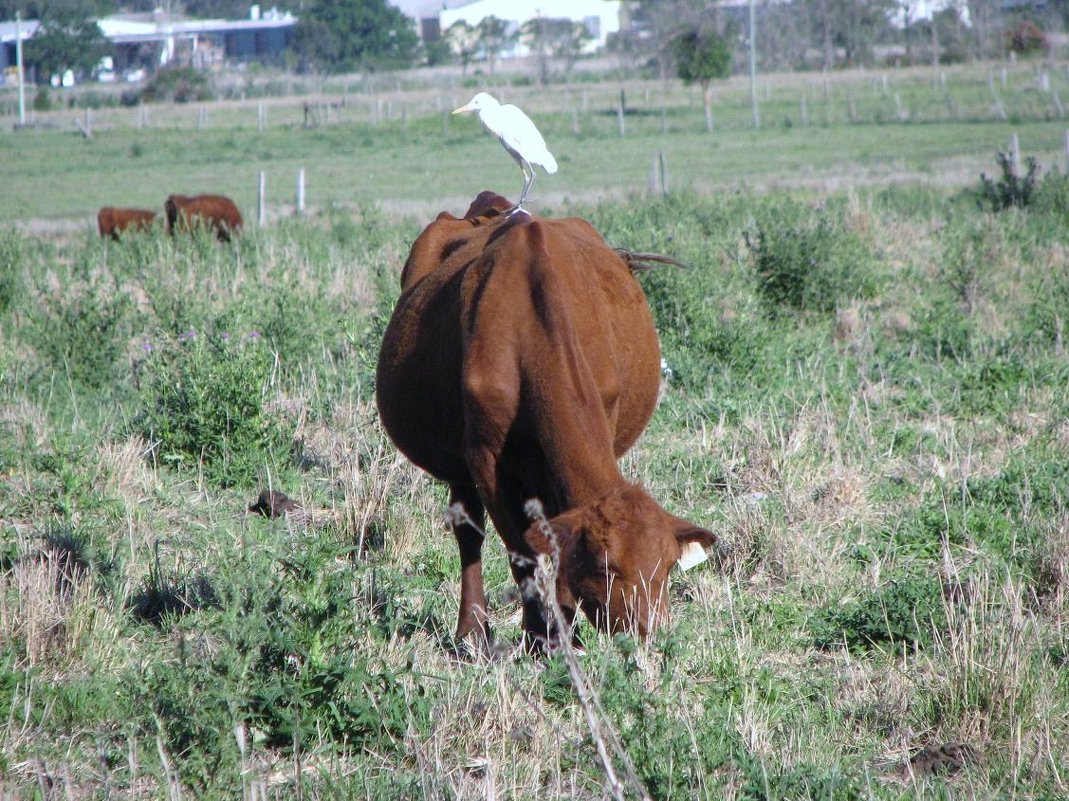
{"x": 468, "y": 519}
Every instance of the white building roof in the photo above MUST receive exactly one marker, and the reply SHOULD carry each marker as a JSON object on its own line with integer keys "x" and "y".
{"x": 605, "y": 12}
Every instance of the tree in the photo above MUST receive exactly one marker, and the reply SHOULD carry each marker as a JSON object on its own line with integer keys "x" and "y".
{"x": 494, "y": 36}
{"x": 559, "y": 39}
{"x": 701, "y": 57}
{"x": 463, "y": 42}
{"x": 349, "y": 35}
{"x": 67, "y": 39}
{"x": 39, "y": 9}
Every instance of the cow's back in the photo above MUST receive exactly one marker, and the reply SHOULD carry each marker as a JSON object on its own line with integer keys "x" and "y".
{"x": 468, "y": 286}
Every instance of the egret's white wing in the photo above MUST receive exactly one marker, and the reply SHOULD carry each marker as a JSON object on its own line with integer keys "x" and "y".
{"x": 518, "y": 133}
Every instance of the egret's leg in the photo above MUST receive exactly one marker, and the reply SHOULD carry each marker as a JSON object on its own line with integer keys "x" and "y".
{"x": 528, "y": 179}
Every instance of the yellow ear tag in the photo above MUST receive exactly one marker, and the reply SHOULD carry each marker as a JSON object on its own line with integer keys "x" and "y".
{"x": 693, "y": 554}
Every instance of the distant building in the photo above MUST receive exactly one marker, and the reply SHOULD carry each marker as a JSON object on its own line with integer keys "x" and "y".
{"x": 150, "y": 41}
{"x": 601, "y": 17}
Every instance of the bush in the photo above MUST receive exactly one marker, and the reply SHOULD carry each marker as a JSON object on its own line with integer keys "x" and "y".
{"x": 178, "y": 85}
{"x": 806, "y": 260}
{"x": 42, "y": 99}
{"x": 1011, "y": 190}
{"x": 203, "y": 404}
{"x": 84, "y": 333}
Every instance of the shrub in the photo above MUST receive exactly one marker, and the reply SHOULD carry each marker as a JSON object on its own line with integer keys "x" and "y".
{"x": 203, "y": 402}
{"x": 82, "y": 334}
{"x": 42, "y": 99}
{"x": 1011, "y": 190}
{"x": 806, "y": 260}
{"x": 178, "y": 85}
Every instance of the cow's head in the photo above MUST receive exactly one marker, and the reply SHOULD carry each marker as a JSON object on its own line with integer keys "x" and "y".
{"x": 613, "y": 558}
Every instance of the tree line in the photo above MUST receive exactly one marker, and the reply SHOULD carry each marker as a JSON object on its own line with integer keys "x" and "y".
{"x": 697, "y": 40}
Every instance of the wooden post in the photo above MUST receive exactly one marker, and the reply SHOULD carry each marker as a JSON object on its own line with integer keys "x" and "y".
{"x": 851, "y": 111}
{"x": 655, "y": 179}
{"x": 1067, "y": 151}
{"x": 261, "y": 199}
{"x": 1015, "y": 153}
{"x": 620, "y": 114}
{"x": 300, "y": 190}
{"x": 803, "y": 111}
{"x": 575, "y": 121}
{"x": 262, "y": 121}
{"x": 1058, "y": 104}
{"x": 663, "y": 171}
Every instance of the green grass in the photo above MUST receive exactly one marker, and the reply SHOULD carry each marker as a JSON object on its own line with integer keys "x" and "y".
{"x": 419, "y": 159}
{"x": 884, "y": 464}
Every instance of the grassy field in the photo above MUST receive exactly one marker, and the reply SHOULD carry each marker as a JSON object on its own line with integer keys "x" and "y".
{"x": 867, "y": 400}
{"x": 401, "y": 150}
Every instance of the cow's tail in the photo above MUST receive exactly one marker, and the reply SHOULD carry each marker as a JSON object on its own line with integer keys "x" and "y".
{"x": 639, "y": 262}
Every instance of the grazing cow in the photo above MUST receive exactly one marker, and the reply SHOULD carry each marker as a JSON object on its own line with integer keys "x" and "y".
{"x": 114, "y": 221}
{"x": 217, "y": 212}
{"x": 520, "y": 362}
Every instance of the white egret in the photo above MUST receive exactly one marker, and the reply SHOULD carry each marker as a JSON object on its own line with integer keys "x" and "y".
{"x": 517, "y": 134}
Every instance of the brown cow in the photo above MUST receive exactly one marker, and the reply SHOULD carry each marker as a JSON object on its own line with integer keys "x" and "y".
{"x": 114, "y": 221}
{"x": 217, "y": 212}
{"x": 520, "y": 362}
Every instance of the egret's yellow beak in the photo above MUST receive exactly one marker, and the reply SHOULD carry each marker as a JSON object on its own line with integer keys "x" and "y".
{"x": 463, "y": 109}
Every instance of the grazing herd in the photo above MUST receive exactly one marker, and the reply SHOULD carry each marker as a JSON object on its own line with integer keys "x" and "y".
{"x": 182, "y": 213}
{"x": 520, "y": 362}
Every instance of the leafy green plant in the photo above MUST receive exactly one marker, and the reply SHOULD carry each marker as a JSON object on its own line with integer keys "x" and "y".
{"x": 203, "y": 403}
{"x": 11, "y": 255}
{"x": 807, "y": 260}
{"x": 1010, "y": 190}
{"x": 82, "y": 333}
{"x": 903, "y": 613}
{"x": 177, "y": 85}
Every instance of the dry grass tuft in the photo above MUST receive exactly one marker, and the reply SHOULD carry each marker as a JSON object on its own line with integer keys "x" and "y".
{"x": 47, "y": 601}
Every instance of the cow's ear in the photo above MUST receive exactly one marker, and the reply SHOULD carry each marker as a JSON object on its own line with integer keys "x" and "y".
{"x": 693, "y": 541}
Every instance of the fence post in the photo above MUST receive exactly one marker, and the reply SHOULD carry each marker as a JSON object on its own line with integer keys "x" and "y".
{"x": 620, "y": 114}
{"x": 664, "y": 172}
{"x": 261, "y": 199}
{"x": 262, "y": 120}
{"x": 1015, "y": 153}
{"x": 804, "y": 110}
{"x": 300, "y": 190}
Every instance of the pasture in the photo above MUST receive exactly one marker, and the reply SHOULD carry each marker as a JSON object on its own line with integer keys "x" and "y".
{"x": 866, "y": 399}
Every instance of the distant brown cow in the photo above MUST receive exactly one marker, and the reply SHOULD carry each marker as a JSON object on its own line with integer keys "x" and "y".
{"x": 114, "y": 221}
{"x": 217, "y": 212}
{"x": 520, "y": 362}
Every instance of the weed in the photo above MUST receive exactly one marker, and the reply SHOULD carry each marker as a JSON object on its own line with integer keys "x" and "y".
{"x": 808, "y": 260}
{"x": 902, "y": 613}
{"x": 81, "y": 334}
{"x": 204, "y": 403}
{"x": 1011, "y": 190}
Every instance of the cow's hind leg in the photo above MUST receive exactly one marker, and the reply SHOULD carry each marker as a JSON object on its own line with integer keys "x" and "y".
{"x": 468, "y": 518}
